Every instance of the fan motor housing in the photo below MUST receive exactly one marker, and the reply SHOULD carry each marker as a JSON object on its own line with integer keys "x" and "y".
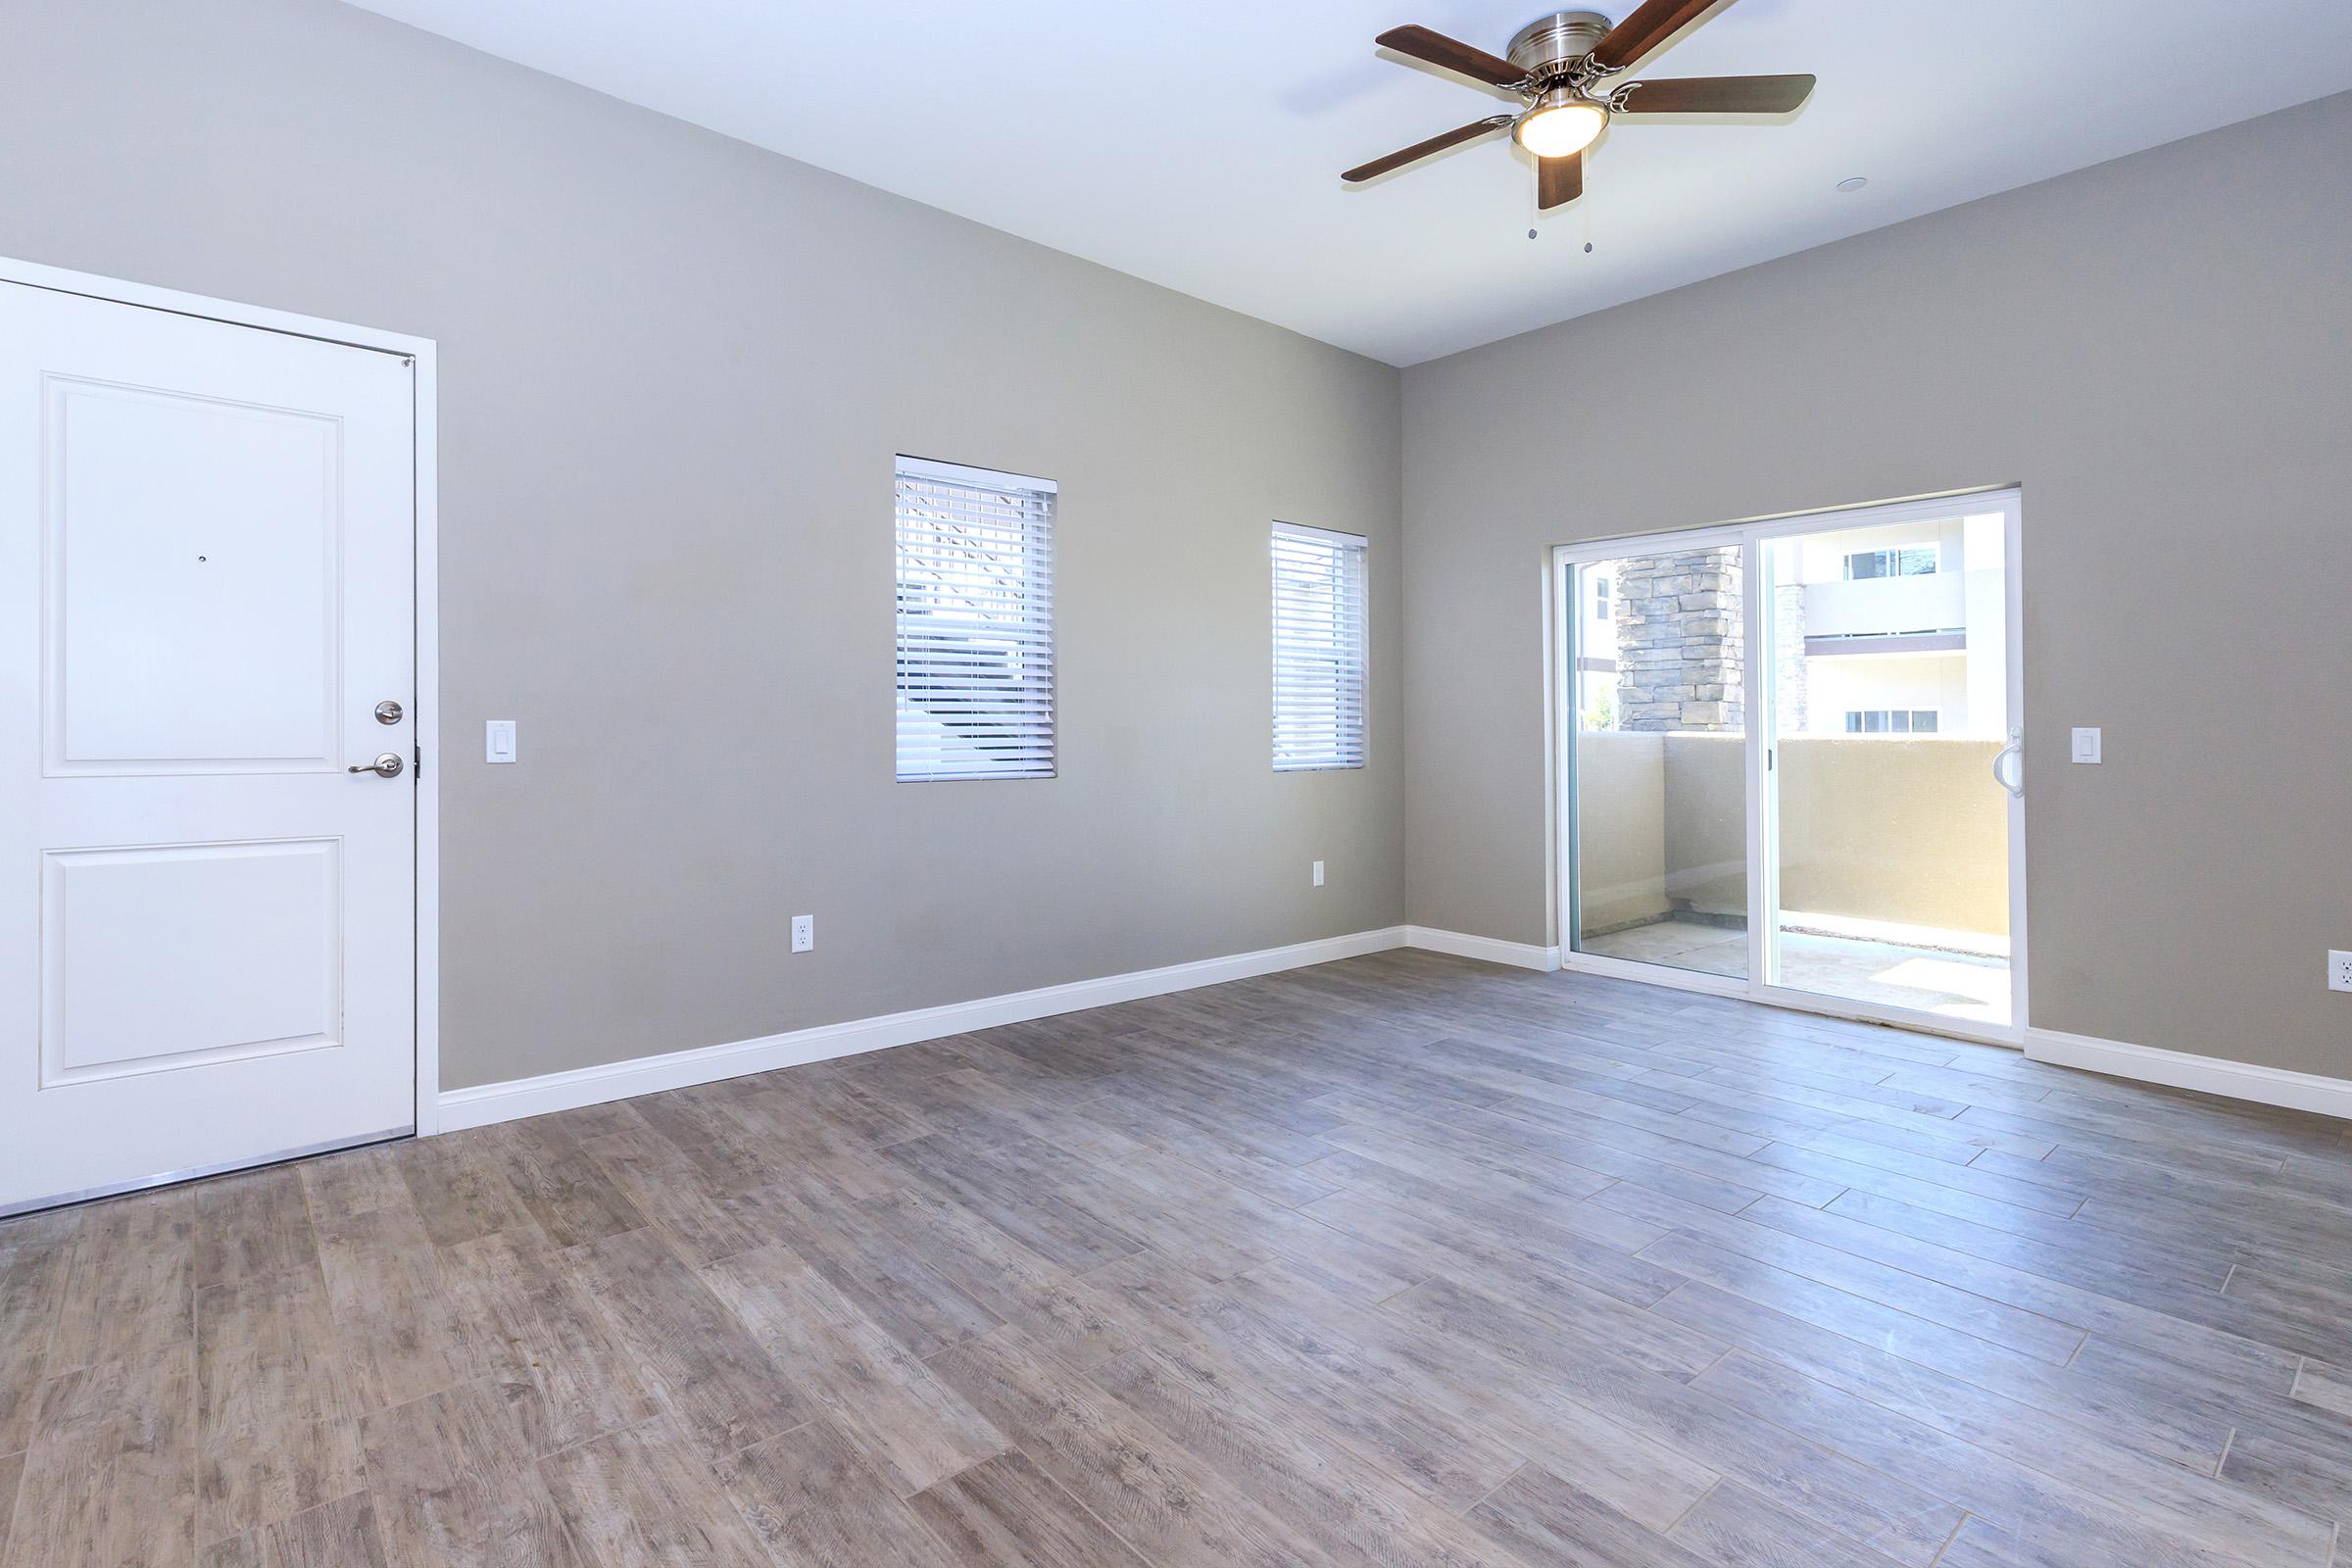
{"x": 1548, "y": 45}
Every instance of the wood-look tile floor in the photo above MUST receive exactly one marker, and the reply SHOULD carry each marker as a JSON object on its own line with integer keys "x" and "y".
{"x": 1398, "y": 1260}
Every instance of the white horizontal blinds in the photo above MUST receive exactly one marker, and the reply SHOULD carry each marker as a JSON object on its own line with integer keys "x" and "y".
{"x": 1319, "y": 649}
{"x": 975, "y": 623}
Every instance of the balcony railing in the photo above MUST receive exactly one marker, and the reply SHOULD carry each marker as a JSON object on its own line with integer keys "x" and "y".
{"x": 1889, "y": 831}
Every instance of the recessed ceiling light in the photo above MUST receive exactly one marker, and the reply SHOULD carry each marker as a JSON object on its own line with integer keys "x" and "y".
{"x": 1855, "y": 183}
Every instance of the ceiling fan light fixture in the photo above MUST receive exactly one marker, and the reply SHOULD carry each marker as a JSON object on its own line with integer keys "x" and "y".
{"x": 1559, "y": 64}
{"x": 1560, "y": 123}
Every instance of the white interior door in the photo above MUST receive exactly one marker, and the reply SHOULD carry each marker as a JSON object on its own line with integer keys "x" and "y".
{"x": 207, "y": 588}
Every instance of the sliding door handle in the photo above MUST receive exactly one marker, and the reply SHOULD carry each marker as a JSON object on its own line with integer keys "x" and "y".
{"x": 2016, "y": 749}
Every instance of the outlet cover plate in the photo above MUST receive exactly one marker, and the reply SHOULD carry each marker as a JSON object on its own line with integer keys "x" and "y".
{"x": 2339, "y": 971}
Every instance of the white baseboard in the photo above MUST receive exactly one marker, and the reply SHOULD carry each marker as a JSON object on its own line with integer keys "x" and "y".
{"x": 518, "y": 1098}
{"x": 2178, "y": 1069}
{"x": 1493, "y": 949}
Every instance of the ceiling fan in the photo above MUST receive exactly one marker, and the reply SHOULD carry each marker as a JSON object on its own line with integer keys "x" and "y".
{"x": 1559, "y": 64}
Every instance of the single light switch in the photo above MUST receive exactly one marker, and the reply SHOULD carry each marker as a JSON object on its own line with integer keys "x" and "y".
{"x": 2086, "y": 745}
{"x": 499, "y": 741}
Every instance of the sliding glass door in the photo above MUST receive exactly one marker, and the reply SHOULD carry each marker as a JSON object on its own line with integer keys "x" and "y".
{"x": 1791, "y": 765}
{"x": 1890, "y": 725}
{"x": 1662, "y": 744}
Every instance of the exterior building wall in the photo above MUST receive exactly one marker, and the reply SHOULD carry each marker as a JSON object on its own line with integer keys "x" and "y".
{"x": 1938, "y": 681}
{"x": 1963, "y": 593}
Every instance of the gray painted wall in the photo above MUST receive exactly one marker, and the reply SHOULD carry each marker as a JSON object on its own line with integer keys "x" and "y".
{"x": 674, "y": 371}
{"x": 675, "y": 368}
{"x": 2156, "y": 350}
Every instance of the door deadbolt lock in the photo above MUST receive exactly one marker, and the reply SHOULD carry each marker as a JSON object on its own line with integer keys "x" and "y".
{"x": 389, "y": 711}
{"x": 387, "y": 765}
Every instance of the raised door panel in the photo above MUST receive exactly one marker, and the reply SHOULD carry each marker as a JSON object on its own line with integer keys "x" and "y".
{"x": 192, "y": 552}
{"x": 169, "y": 956}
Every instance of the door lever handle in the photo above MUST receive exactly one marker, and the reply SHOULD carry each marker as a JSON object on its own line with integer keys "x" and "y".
{"x": 387, "y": 765}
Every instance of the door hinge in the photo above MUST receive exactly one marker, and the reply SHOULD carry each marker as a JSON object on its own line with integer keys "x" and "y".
{"x": 418, "y": 770}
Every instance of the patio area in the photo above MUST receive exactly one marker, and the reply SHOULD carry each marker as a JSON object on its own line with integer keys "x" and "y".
{"x": 1945, "y": 981}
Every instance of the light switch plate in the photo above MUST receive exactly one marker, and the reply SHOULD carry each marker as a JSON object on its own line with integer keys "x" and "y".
{"x": 1318, "y": 873}
{"x": 498, "y": 741}
{"x": 2087, "y": 744}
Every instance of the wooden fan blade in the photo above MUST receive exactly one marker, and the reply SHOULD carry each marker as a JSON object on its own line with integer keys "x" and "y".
{"x": 1717, "y": 95}
{"x": 1650, "y": 25}
{"x": 1559, "y": 180}
{"x": 1453, "y": 54}
{"x": 1422, "y": 149}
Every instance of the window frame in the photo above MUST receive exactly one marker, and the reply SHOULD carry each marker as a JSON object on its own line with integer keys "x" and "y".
{"x": 1033, "y": 639}
{"x": 1349, "y": 715}
{"x": 1891, "y": 556}
{"x": 1857, "y": 721}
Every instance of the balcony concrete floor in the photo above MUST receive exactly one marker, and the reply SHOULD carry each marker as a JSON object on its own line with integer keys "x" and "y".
{"x": 1950, "y": 985}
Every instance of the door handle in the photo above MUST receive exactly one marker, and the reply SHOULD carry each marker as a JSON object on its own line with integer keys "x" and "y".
{"x": 2017, "y": 749}
{"x": 387, "y": 765}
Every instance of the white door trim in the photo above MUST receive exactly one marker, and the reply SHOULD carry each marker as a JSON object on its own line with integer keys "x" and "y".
{"x": 1560, "y": 713}
{"x": 421, "y": 351}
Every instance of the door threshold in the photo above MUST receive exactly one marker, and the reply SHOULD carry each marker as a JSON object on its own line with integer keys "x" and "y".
{"x": 172, "y": 1178}
{"x": 2008, "y": 1036}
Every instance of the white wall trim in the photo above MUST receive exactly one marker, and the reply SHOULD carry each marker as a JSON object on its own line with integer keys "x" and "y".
{"x": 1493, "y": 949}
{"x": 486, "y": 1104}
{"x": 432, "y": 760}
{"x": 644, "y": 1075}
{"x": 2178, "y": 1069}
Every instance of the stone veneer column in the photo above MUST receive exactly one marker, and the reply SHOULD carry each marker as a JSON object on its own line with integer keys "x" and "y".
{"x": 1680, "y": 650}
{"x": 1788, "y": 656}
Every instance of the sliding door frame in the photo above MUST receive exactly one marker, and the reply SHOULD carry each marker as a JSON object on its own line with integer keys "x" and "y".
{"x": 1752, "y": 539}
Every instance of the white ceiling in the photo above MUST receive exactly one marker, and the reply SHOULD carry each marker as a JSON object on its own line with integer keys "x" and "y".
{"x": 1200, "y": 145}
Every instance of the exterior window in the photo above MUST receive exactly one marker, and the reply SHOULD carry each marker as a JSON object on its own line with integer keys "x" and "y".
{"x": 1890, "y": 721}
{"x": 1911, "y": 561}
{"x": 975, "y": 623}
{"x": 1601, "y": 599}
{"x": 1319, "y": 649}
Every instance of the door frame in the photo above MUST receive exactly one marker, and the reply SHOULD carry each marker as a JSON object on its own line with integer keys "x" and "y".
{"x": 420, "y": 353}
{"x": 1563, "y": 613}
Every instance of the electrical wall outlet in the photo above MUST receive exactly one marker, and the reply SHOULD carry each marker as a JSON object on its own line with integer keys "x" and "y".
{"x": 2339, "y": 971}
{"x": 1318, "y": 873}
{"x": 804, "y": 933}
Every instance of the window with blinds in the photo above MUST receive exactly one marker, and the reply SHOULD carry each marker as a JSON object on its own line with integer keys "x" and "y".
{"x": 976, "y": 623}
{"x": 1319, "y": 649}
